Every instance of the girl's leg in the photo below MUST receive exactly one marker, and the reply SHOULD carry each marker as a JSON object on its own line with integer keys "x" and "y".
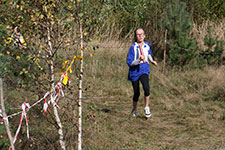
{"x": 146, "y": 101}
{"x": 145, "y": 83}
{"x": 135, "y": 105}
{"x": 136, "y": 90}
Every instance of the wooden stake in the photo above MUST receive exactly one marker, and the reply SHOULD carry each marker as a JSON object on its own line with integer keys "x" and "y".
{"x": 4, "y": 116}
{"x": 80, "y": 91}
{"x": 164, "y": 54}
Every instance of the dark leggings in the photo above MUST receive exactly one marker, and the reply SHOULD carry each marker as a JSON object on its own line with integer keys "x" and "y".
{"x": 145, "y": 84}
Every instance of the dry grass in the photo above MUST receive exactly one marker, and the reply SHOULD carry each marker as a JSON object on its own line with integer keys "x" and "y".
{"x": 187, "y": 106}
{"x": 200, "y": 31}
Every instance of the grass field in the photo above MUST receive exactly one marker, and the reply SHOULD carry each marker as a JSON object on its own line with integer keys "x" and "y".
{"x": 188, "y": 108}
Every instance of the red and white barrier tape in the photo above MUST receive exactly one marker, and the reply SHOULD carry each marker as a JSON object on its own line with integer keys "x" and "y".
{"x": 54, "y": 96}
{"x": 25, "y": 107}
{"x": 45, "y": 107}
{"x": 1, "y": 120}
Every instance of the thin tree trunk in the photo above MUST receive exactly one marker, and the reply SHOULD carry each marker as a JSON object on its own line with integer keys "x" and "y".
{"x": 80, "y": 93}
{"x": 164, "y": 54}
{"x": 51, "y": 66}
{"x": 4, "y": 116}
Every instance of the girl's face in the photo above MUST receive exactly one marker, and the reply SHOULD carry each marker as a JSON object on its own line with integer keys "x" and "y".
{"x": 140, "y": 35}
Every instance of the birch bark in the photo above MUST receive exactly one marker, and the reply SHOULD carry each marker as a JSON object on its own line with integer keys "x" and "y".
{"x": 80, "y": 92}
{"x": 51, "y": 67}
{"x": 4, "y": 117}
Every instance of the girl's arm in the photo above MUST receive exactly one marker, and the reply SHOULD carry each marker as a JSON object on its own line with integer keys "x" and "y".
{"x": 151, "y": 60}
{"x": 131, "y": 61}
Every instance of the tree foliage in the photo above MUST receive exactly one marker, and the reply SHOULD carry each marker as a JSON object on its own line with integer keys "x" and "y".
{"x": 33, "y": 18}
{"x": 214, "y": 51}
{"x": 105, "y": 19}
{"x": 206, "y": 9}
{"x": 178, "y": 22}
{"x": 3, "y": 60}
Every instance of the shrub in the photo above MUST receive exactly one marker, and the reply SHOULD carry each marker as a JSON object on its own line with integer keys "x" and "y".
{"x": 178, "y": 22}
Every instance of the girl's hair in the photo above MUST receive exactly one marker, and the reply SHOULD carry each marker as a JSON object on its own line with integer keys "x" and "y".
{"x": 135, "y": 34}
{"x": 18, "y": 29}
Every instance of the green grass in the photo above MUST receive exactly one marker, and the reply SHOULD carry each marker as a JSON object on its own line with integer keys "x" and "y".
{"x": 187, "y": 109}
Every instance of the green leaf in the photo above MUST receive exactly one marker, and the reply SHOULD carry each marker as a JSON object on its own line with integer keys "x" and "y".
{"x": 80, "y": 14}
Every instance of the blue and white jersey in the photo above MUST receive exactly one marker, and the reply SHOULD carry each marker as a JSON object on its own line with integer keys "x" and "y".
{"x": 136, "y": 68}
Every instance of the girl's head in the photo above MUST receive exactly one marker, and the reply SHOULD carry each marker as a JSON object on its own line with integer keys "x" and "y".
{"x": 17, "y": 30}
{"x": 139, "y": 35}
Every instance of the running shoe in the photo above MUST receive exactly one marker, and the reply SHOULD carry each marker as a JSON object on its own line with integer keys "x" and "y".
{"x": 147, "y": 112}
{"x": 134, "y": 113}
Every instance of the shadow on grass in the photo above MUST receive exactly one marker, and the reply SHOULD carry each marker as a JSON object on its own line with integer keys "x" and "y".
{"x": 105, "y": 110}
{"x": 141, "y": 117}
{"x": 138, "y": 117}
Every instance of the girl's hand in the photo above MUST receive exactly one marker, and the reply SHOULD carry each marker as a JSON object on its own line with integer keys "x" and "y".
{"x": 142, "y": 58}
{"x": 154, "y": 63}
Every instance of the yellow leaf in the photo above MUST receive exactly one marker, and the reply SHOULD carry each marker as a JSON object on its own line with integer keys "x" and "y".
{"x": 41, "y": 16}
{"x": 37, "y": 14}
{"x": 70, "y": 6}
{"x": 91, "y": 54}
{"x": 9, "y": 38}
{"x": 49, "y": 14}
{"x": 85, "y": 33}
{"x": 43, "y": 8}
{"x": 21, "y": 7}
{"x": 17, "y": 57}
{"x": 32, "y": 18}
{"x": 7, "y": 52}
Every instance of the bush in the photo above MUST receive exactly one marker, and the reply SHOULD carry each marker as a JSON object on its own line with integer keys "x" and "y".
{"x": 214, "y": 51}
{"x": 4, "y": 60}
{"x": 18, "y": 67}
{"x": 178, "y": 22}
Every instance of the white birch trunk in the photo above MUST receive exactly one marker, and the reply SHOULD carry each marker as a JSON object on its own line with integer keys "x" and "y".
{"x": 80, "y": 93}
{"x": 4, "y": 116}
{"x": 60, "y": 131}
